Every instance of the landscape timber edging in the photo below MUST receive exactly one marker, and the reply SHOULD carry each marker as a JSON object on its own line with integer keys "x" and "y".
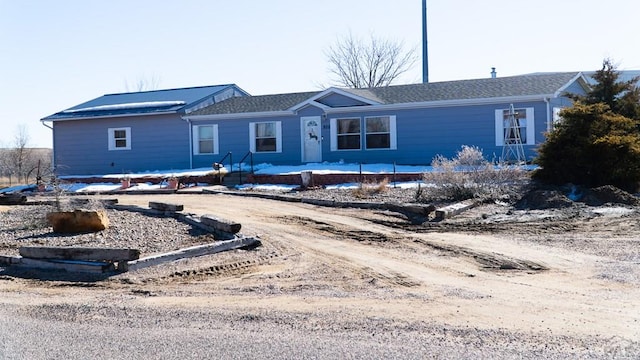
{"x": 455, "y": 209}
{"x": 193, "y": 251}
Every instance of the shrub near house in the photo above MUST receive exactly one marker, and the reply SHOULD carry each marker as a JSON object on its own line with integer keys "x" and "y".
{"x": 598, "y": 140}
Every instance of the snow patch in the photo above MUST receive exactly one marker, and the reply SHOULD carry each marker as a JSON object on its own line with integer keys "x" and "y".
{"x": 126, "y": 106}
{"x": 613, "y": 211}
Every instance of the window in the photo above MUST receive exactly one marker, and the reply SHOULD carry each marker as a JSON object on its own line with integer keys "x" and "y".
{"x": 265, "y": 136}
{"x": 511, "y": 126}
{"x": 205, "y": 139}
{"x": 120, "y": 138}
{"x": 556, "y": 115}
{"x": 380, "y": 132}
{"x": 345, "y": 134}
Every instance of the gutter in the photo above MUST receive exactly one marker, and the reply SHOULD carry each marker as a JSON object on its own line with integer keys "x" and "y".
{"x": 441, "y": 103}
{"x": 42, "y": 121}
{"x": 238, "y": 115}
{"x": 549, "y": 125}
{"x": 190, "y": 141}
{"x": 105, "y": 116}
{"x": 401, "y": 106}
{"x": 53, "y": 144}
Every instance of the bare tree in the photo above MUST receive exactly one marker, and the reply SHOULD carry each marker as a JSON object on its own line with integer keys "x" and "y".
{"x": 144, "y": 83}
{"x": 20, "y": 153}
{"x": 21, "y": 162}
{"x": 357, "y": 64}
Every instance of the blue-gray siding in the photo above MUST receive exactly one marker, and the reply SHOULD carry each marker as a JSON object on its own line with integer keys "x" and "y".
{"x": 421, "y": 135}
{"x": 157, "y": 143}
{"x": 337, "y": 100}
{"x": 162, "y": 142}
{"x": 424, "y": 133}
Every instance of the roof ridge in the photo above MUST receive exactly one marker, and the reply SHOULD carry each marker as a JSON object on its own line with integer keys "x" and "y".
{"x": 172, "y": 89}
{"x": 472, "y": 80}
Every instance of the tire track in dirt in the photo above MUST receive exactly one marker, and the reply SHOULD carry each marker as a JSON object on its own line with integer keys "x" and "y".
{"x": 268, "y": 252}
{"x": 487, "y": 260}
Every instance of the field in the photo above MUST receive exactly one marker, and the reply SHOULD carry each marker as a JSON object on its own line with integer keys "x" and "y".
{"x": 493, "y": 282}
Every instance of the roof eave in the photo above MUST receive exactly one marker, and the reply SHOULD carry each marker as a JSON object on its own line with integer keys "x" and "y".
{"x": 231, "y": 116}
{"x": 314, "y": 99}
{"x": 443, "y": 103}
{"x": 579, "y": 78}
{"x": 48, "y": 118}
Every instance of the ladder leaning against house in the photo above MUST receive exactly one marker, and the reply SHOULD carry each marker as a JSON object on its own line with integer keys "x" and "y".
{"x": 513, "y": 151}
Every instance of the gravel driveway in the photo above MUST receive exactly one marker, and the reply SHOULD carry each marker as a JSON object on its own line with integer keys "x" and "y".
{"x": 338, "y": 283}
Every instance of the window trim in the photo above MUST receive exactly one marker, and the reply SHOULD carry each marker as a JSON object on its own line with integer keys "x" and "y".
{"x": 393, "y": 135}
{"x": 112, "y": 138}
{"x": 530, "y": 125}
{"x": 252, "y": 137}
{"x": 196, "y": 139}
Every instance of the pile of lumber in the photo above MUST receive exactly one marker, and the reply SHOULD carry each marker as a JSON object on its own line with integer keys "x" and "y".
{"x": 12, "y": 199}
{"x": 73, "y": 259}
{"x": 108, "y": 260}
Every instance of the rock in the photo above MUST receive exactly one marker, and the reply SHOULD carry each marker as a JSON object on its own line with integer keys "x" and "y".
{"x": 78, "y": 221}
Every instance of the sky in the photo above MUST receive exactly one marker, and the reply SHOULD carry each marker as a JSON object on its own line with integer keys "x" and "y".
{"x": 58, "y": 54}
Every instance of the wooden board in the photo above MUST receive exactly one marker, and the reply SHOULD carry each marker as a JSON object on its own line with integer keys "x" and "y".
{"x": 193, "y": 251}
{"x": 454, "y": 209}
{"x": 220, "y": 224}
{"x": 70, "y": 266}
{"x": 79, "y": 253}
{"x": 165, "y": 206}
{"x": 12, "y": 199}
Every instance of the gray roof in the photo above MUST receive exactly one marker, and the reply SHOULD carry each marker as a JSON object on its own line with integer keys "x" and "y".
{"x": 522, "y": 85}
{"x": 512, "y": 86}
{"x": 261, "y": 103}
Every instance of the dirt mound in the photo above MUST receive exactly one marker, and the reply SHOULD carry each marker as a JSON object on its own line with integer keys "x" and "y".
{"x": 609, "y": 194}
{"x": 544, "y": 199}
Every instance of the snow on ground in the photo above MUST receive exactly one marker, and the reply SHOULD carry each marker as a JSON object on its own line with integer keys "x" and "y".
{"x": 264, "y": 168}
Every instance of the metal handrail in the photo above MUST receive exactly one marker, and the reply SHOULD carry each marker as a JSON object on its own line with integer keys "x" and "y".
{"x": 250, "y": 155}
{"x": 227, "y": 155}
{"x": 216, "y": 165}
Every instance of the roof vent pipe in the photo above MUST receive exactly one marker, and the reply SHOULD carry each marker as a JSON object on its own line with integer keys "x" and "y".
{"x": 493, "y": 73}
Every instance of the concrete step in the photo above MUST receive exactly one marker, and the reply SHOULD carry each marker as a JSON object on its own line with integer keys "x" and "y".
{"x": 233, "y": 178}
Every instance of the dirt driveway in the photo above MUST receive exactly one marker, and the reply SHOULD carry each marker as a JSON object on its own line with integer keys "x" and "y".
{"x": 540, "y": 275}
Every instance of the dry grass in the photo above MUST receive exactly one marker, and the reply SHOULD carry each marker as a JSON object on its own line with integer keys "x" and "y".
{"x": 468, "y": 175}
{"x": 4, "y": 182}
{"x": 368, "y": 189}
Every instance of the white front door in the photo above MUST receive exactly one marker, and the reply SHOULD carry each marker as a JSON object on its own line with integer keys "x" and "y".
{"x": 311, "y": 139}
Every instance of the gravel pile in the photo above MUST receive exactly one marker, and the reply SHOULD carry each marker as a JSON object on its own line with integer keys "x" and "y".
{"x": 27, "y": 226}
{"x": 364, "y": 194}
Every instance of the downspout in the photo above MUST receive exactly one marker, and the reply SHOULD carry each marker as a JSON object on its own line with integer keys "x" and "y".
{"x": 190, "y": 142}
{"x": 549, "y": 124}
{"x": 45, "y": 125}
{"x": 53, "y": 146}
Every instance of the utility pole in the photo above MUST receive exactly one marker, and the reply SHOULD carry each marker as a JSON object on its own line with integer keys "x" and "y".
{"x": 425, "y": 53}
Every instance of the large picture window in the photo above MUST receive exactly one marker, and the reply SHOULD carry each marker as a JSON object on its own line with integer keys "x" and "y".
{"x": 119, "y": 138}
{"x": 205, "y": 139}
{"x": 380, "y": 132}
{"x": 266, "y": 136}
{"x": 514, "y": 127}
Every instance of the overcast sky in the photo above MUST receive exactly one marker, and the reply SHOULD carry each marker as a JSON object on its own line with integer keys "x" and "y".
{"x": 57, "y": 54}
